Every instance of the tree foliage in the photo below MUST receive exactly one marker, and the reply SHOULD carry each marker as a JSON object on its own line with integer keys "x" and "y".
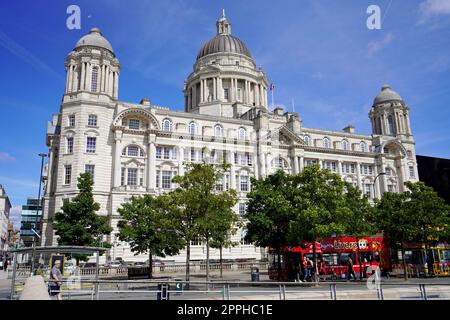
{"x": 78, "y": 223}
{"x": 148, "y": 226}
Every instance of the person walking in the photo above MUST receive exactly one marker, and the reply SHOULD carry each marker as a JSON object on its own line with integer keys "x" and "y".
{"x": 350, "y": 271}
{"x": 5, "y": 265}
{"x": 56, "y": 278}
{"x": 305, "y": 268}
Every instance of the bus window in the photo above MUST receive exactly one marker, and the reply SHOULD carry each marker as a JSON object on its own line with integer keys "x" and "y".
{"x": 445, "y": 255}
{"x": 344, "y": 257}
{"x": 331, "y": 259}
{"x": 310, "y": 256}
{"x": 366, "y": 256}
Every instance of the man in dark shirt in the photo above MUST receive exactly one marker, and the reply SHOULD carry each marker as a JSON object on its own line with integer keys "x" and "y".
{"x": 350, "y": 270}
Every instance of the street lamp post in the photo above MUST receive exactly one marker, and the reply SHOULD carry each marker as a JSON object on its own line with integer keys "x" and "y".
{"x": 39, "y": 204}
{"x": 375, "y": 181}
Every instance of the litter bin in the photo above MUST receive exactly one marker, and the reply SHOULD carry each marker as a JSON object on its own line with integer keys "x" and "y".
{"x": 255, "y": 274}
{"x": 163, "y": 293}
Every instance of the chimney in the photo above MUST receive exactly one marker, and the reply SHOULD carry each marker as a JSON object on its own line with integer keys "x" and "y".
{"x": 349, "y": 129}
{"x": 145, "y": 102}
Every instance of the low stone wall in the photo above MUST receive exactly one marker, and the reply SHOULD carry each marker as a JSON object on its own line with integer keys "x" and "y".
{"x": 35, "y": 289}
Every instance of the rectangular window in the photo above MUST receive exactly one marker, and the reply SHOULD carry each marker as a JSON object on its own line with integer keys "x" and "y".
{"x": 310, "y": 162}
{"x": 158, "y": 152}
{"x": 411, "y": 172}
{"x": 67, "y": 174}
{"x": 166, "y": 153}
{"x": 226, "y": 94}
{"x": 368, "y": 190}
{"x": 244, "y": 183}
{"x": 132, "y": 176}
{"x": 239, "y": 94}
{"x": 174, "y": 153}
{"x": 92, "y": 120}
{"x": 70, "y": 145}
{"x": 219, "y": 184}
{"x": 141, "y": 177}
{"x": 236, "y": 158}
{"x": 330, "y": 165}
{"x": 90, "y": 168}
{"x": 122, "y": 177}
{"x": 249, "y": 159}
{"x": 166, "y": 179}
{"x": 72, "y": 120}
{"x": 193, "y": 154}
{"x": 90, "y": 144}
{"x": 133, "y": 124}
{"x": 227, "y": 182}
{"x": 242, "y": 209}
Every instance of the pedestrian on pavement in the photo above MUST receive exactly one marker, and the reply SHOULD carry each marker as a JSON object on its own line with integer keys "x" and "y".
{"x": 54, "y": 286}
{"x": 305, "y": 268}
{"x": 350, "y": 271}
{"x": 5, "y": 265}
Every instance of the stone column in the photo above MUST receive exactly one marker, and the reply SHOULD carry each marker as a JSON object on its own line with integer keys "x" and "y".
{"x": 194, "y": 95}
{"x": 116, "y": 85}
{"x": 68, "y": 77}
{"x": 117, "y": 156}
{"x": 408, "y": 124}
{"x": 83, "y": 75}
{"x": 189, "y": 101}
{"x": 219, "y": 89}
{"x": 151, "y": 162}
{"x": 180, "y": 161}
{"x": 88, "y": 76}
{"x": 256, "y": 90}
{"x": 233, "y": 176}
{"x": 302, "y": 164}
{"x": 202, "y": 91}
{"x": 339, "y": 167}
{"x": 262, "y": 158}
{"x": 214, "y": 97}
{"x": 358, "y": 175}
{"x": 296, "y": 169}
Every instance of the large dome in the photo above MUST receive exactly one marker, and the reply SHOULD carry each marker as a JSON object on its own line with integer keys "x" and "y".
{"x": 223, "y": 43}
{"x": 387, "y": 94}
{"x": 94, "y": 39}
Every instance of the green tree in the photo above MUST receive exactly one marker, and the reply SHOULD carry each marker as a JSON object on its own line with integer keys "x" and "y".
{"x": 318, "y": 203}
{"x": 429, "y": 215}
{"x": 391, "y": 217}
{"x": 78, "y": 223}
{"x": 357, "y": 217}
{"x": 147, "y": 225}
{"x": 200, "y": 208}
{"x": 270, "y": 212}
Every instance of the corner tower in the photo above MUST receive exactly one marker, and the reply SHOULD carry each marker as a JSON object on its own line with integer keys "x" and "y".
{"x": 92, "y": 67}
{"x": 225, "y": 80}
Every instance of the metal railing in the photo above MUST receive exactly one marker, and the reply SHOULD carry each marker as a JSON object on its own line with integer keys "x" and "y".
{"x": 244, "y": 290}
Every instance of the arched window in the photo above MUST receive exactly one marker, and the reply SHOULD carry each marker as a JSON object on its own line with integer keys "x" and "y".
{"x": 362, "y": 146}
{"x": 345, "y": 145}
{"x": 167, "y": 125}
{"x": 242, "y": 134}
{"x": 326, "y": 143}
{"x": 94, "y": 79}
{"x": 391, "y": 124}
{"x": 192, "y": 127}
{"x": 218, "y": 130}
{"x": 306, "y": 139}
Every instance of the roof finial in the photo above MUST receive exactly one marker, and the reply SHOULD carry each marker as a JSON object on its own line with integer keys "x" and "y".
{"x": 223, "y": 26}
{"x": 223, "y": 13}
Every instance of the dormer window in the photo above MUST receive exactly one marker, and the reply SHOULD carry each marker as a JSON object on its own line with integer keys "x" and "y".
{"x": 167, "y": 125}
{"x": 134, "y": 124}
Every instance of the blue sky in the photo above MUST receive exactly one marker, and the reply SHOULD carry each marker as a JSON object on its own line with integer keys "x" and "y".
{"x": 319, "y": 54}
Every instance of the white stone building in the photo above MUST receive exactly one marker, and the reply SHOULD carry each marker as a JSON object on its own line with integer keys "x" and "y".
{"x": 5, "y": 207}
{"x": 136, "y": 148}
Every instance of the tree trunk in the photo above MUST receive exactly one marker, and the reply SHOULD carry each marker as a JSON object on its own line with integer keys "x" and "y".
{"x": 405, "y": 273}
{"x": 221, "y": 263}
{"x": 359, "y": 260}
{"x": 279, "y": 263}
{"x": 207, "y": 262}
{"x": 150, "y": 265}
{"x": 188, "y": 258}
{"x": 316, "y": 278}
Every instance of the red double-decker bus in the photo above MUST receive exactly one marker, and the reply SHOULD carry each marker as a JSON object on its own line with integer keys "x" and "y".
{"x": 334, "y": 253}
{"x": 289, "y": 257}
{"x": 373, "y": 252}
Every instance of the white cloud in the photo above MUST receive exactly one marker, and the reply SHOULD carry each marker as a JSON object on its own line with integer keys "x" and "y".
{"x": 376, "y": 46}
{"x": 6, "y": 157}
{"x": 433, "y": 8}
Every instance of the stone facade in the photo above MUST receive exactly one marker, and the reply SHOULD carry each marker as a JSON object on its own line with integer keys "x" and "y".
{"x": 136, "y": 148}
{"x": 5, "y": 207}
